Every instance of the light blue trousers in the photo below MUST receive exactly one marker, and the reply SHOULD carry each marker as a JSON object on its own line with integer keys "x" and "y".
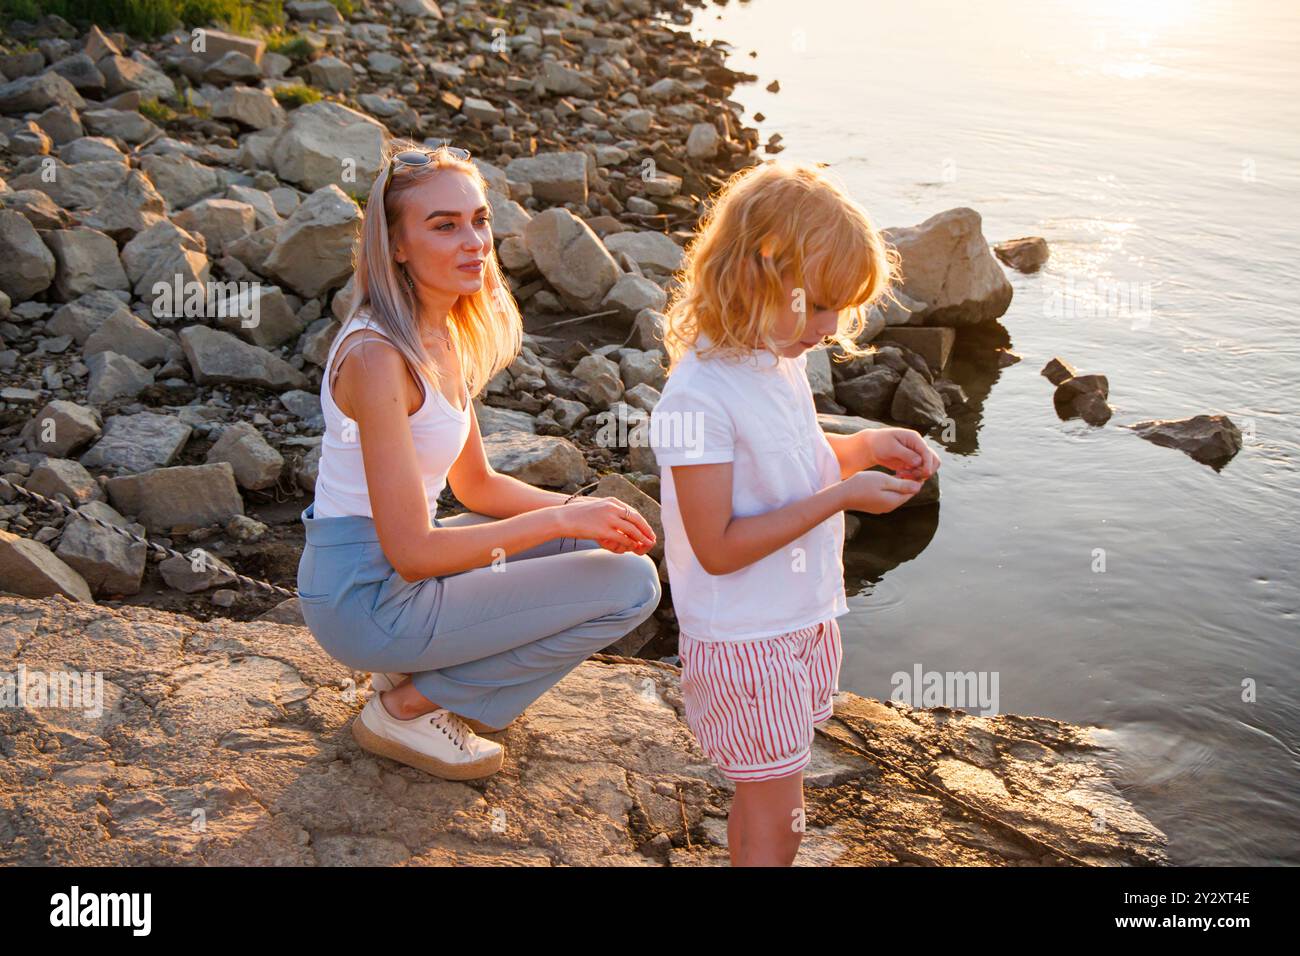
{"x": 484, "y": 643}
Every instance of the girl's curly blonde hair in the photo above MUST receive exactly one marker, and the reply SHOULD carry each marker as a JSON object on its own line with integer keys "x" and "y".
{"x": 772, "y": 223}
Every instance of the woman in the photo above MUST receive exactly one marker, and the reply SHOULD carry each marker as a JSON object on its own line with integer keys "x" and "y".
{"x": 464, "y": 621}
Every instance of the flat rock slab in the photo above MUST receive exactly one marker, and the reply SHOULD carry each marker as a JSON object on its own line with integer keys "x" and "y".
{"x": 228, "y": 743}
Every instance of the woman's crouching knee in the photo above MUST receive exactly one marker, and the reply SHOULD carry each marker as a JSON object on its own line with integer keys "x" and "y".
{"x": 643, "y": 588}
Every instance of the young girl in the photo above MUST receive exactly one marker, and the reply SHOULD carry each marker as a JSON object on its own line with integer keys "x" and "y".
{"x": 464, "y": 620}
{"x": 753, "y": 492}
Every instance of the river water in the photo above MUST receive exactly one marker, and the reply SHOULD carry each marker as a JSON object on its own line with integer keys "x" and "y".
{"x": 1101, "y": 579}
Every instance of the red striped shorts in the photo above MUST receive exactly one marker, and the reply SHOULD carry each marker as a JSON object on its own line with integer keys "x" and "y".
{"x": 752, "y": 705}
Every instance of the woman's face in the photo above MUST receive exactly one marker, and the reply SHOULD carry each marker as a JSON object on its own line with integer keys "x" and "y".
{"x": 444, "y": 235}
{"x": 821, "y": 322}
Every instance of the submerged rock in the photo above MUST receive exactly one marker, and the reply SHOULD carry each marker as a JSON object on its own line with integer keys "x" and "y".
{"x": 1024, "y": 255}
{"x": 1210, "y": 439}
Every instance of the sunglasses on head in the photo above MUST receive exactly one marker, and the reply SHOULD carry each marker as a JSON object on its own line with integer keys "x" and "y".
{"x": 423, "y": 157}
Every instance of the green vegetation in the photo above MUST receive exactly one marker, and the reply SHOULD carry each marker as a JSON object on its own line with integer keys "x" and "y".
{"x": 157, "y": 112}
{"x": 293, "y": 45}
{"x": 148, "y": 19}
{"x": 291, "y": 97}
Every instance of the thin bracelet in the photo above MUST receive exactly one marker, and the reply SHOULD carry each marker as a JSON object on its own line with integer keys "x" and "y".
{"x": 580, "y": 491}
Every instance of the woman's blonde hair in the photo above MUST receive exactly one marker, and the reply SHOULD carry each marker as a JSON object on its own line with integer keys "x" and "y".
{"x": 775, "y": 220}
{"x": 485, "y": 326}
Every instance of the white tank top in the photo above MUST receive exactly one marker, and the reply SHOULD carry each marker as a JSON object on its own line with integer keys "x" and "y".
{"x": 437, "y": 426}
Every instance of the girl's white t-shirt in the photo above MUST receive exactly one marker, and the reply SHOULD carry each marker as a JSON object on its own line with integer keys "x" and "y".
{"x": 758, "y": 412}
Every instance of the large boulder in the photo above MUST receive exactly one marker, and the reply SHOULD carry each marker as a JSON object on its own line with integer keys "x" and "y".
{"x": 554, "y": 177}
{"x": 249, "y": 106}
{"x": 31, "y": 569}
{"x": 649, "y": 250}
{"x": 61, "y": 427}
{"x": 217, "y": 357}
{"x": 314, "y": 250}
{"x": 326, "y": 142}
{"x": 110, "y": 563}
{"x": 571, "y": 257}
{"x": 190, "y": 496}
{"x": 32, "y": 94}
{"x": 181, "y": 181}
{"x": 27, "y": 266}
{"x": 257, "y": 465}
{"x": 139, "y": 442}
{"x": 163, "y": 257}
{"x": 219, "y": 221}
{"x": 80, "y": 186}
{"x": 127, "y": 210}
{"x": 85, "y": 260}
{"x": 545, "y": 460}
{"x": 947, "y": 264}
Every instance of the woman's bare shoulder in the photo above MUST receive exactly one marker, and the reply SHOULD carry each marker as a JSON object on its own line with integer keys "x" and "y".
{"x": 369, "y": 371}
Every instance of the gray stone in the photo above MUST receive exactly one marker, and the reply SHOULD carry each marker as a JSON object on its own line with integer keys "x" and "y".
{"x": 131, "y": 208}
{"x": 161, "y": 257}
{"x": 871, "y": 394}
{"x": 554, "y": 177}
{"x": 115, "y": 376}
{"x": 323, "y": 140}
{"x": 257, "y": 465}
{"x": 63, "y": 476}
{"x": 637, "y": 367}
{"x": 917, "y": 403}
{"x": 572, "y": 258}
{"x": 31, "y": 94}
{"x": 181, "y": 181}
{"x": 61, "y": 428}
{"x": 127, "y": 334}
{"x": 126, "y": 125}
{"x": 185, "y": 495}
{"x": 947, "y": 264}
{"x": 314, "y": 251}
{"x": 109, "y": 563}
{"x": 252, "y": 107}
{"x": 85, "y": 260}
{"x": 492, "y": 420}
{"x": 27, "y": 266}
{"x": 216, "y": 357}
{"x": 1210, "y": 439}
{"x": 548, "y": 461}
{"x": 32, "y": 570}
{"x": 649, "y": 250}
{"x": 633, "y": 294}
{"x": 91, "y": 149}
{"x": 139, "y": 442}
{"x": 219, "y": 221}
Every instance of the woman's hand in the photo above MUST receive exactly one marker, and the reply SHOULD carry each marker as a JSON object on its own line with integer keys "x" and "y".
{"x": 616, "y": 526}
{"x": 902, "y": 451}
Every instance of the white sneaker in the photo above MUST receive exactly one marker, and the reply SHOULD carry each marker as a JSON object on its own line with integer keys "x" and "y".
{"x": 439, "y": 743}
{"x": 387, "y": 680}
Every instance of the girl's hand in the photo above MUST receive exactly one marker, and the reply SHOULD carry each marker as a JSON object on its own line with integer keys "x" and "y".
{"x": 902, "y": 451}
{"x": 876, "y": 492}
{"x": 616, "y": 526}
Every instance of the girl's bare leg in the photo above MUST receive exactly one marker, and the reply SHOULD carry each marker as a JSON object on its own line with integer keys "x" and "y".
{"x": 766, "y": 822}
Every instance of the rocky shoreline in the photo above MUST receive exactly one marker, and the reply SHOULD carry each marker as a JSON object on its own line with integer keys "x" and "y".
{"x": 601, "y": 137}
{"x": 227, "y": 743}
{"x": 131, "y": 172}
